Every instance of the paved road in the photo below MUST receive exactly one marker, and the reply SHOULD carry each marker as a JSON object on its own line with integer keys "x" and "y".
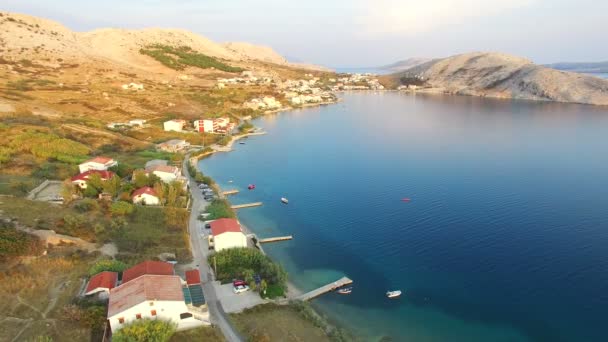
{"x": 216, "y": 312}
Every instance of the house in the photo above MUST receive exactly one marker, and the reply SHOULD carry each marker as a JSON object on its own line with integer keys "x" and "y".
{"x": 97, "y": 163}
{"x": 166, "y": 173}
{"x": 101, "y": 284}
{"x": 204, "y": 126}
{"x": 173, "y": 145}
{"x": 217, "y": 125}
{"x": 155, "y": 162}
{"x": 226, "y": 233}
{"x": 147, "y": 267}
{"x": 150, "y": 297}
{"x": 145, "y": 196}
{"x": 174, "y": 125}
{"x": 81, "y": 179}
{"x": 137, "y": 122}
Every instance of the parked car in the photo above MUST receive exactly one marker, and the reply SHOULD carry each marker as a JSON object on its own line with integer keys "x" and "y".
{"x": 240, "y": 288}
{"x": 208, "y": 225}
{"x": 208, "y": 198}
{"x": 238, "y": 282}
{"x": 203, "y": 186}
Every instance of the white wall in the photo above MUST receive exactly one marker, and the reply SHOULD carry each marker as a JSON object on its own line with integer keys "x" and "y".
{"x": 165, "y": 176}
{"x": 84, "y": 167}
{"x": 172, "y": 126}
{"x": 229, "y": 240}
{"x": 167, "y": 310}
{"x": 147, "y": 199}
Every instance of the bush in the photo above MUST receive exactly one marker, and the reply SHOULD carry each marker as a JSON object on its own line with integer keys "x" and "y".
{"x": 179, "y": 57}
{"x": 245, "y": 127}
{"x": 107, "y": 265}
{"x": 86, "y": 205}
{"x": 220, "y": 208}
{"x": 225, "y": 140}
{"x": 121, "y": 208}
{"x": 235, "y": 263}
{"x": 145, "y": 330}
{"x": 16, "y": 243}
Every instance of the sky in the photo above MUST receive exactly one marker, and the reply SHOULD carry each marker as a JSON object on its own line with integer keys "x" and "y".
{"x": 359, "y": 33}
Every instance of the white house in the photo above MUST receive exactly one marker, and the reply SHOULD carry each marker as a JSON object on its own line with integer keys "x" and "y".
{"x": 81, "y": 179}
{"x": 97, "y": 163}
{"x": 217, "y": 125}
{"x": 226, "y": 233}
{"x": 145, "y": 196}
{"x": 205, "y": 125}
{"x": 173, "y": 145}
{"x": 166, "y": 173}
{"x": 150, "y": 297}
{"x": 174, "y": 125}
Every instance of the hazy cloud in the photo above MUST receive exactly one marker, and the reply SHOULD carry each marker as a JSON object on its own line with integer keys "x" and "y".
{"x": 416, "y": 16}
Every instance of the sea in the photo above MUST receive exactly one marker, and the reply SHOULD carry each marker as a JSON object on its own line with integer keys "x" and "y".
{"x": 504, "y": 236}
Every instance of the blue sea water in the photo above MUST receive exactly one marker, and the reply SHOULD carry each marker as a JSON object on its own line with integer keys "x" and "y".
{"x": 505, "y": 237}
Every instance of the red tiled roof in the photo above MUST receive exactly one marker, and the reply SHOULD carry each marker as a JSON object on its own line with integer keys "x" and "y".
{"x": 147, "y": 267}
{"x": 225, "y": 225}
{"x": 104, "y": 174}
{"x": 104, "y": 280}
{"x": 163, "y": 168}
{"x": 146, "y": 288}
{"x": 100, "y": 160}
{"x": 145, "y": 190}
{"x": 193, "y": 277}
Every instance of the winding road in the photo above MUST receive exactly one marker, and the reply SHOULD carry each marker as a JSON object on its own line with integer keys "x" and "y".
{"x": 199, "y": 254}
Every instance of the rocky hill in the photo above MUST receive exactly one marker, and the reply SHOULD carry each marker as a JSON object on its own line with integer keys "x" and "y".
{"x": 589, "y": 67}
{"x": 505, "y": 76}
{"x": 404, "y": 64}
{"x": 46, "y": 39}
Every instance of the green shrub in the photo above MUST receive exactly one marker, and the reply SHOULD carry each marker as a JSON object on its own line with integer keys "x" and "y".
{"x": 220, "y": 208}
{"x": 145, "y": 330}
{"x": 86, "y": 204}
{"x": 179, "y": 57}
{"x": 238, "y": 262}
{"x": 121, "y": 208}
{"x": 16, "y": 243}
{"x": 107, "y": 265}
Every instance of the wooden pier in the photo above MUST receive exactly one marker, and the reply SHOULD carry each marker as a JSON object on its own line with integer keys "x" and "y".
{"x": 246, "y": 205}
{"x": 230, "y": 192}
{"x": 324, "y": 289}
{"x": 276, "y": 239}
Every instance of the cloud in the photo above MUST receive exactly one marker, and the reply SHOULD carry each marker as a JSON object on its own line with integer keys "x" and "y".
{"x": 416, "y": 16}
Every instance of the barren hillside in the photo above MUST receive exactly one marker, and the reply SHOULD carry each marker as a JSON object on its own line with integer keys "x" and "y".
{"x": 505, "y": 76}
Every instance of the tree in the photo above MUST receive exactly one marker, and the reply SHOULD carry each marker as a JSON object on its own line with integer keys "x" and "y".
{"x": 68, "y": 191}
{"x": 172, "y": 195}
{"x": 90, "y": 192}
{"x": 159, "y": 188}
{"x": 112, "y": 186}
{"x": 95, "y": 182}
{"x": 87, "y": 204}
{"x": 146, "y": 330}
{"x": 263, "y": 287}
{"x": 140, "y": 179}
{"x": 248, "y": 278}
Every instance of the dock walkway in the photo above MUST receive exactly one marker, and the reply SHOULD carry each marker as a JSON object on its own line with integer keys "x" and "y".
{"x": 276, "y": 239}
{"x": 324, "y": 289}
{"x": 246, "y": 205}
{"x": 230, "y": 192}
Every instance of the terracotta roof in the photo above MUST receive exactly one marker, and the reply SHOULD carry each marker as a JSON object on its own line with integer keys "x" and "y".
{"x": 163, "y": 168}
{"x": 145, "y": 190}
{"x": 104, "y": 174}
{"x": 147, "y": 267}
{"x": 104, "y": 280}
{"x": 100, "y": 160}
{"x": 225, "y": 225}
{"x": 148, "y": 287}
{"x": 193, "y": 277}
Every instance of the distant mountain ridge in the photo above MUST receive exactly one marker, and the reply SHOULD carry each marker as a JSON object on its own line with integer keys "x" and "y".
{"x": 405, "y": 64}
{"x": 504, "y": 76}
{"x": 588, "y": 67}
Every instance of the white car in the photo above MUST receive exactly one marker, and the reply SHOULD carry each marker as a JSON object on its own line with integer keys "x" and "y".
{"x": 240, "y": 288}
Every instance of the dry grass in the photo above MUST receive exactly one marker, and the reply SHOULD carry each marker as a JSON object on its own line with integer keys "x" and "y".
{"x": 207, "y": 334}
{"x": 271, "y": 322}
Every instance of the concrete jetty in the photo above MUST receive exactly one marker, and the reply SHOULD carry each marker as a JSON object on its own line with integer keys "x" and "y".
{"x": 246, "y": 205}
{"x": 324, "y": 289}
{"x": 276, "y": 239}
{"x": 230, "y": 192}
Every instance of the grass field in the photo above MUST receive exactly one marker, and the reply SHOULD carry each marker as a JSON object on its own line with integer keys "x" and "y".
{"x": 271, "y": 322}
{"x": 207, "y": 334}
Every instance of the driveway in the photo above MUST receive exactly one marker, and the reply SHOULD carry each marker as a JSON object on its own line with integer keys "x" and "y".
{"x": 232, "y": 302}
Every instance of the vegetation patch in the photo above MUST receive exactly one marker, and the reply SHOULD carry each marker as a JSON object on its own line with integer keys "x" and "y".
{"x": 179, "y": 58}
{"x": 220, "y": 208}
{"x": 244, "y": 263}
{"x": 145, "y": 330}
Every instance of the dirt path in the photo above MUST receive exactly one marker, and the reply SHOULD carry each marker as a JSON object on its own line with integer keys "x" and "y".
{"x": 51, "y": 237}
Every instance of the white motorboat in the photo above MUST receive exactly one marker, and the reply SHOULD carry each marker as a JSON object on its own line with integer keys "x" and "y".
{"x": 284, "y": 200}
{"x": 393, "y": 294}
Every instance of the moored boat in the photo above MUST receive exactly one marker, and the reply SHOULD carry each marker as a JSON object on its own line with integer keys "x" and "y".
{"x": 345, "y": 290}
{"x": 393, "y": 294}
{"x": 284, "y": 200}
{"x": 251, "y": 186}
{"x": 405, "y": 199}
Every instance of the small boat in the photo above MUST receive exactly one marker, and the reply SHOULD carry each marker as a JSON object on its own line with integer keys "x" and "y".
{"x": 284, "y": 200}
{"x": 393, "y": 294}
{"x": 405, "y": 199}
{"x": 345, "y": 290}
{"x": 230, "y": 181}
{"x": 242, "y": 143}
{"x": 251, "y": 186}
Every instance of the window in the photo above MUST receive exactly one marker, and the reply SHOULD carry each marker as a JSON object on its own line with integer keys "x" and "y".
{"x": 121, "y": 320}
{"x": 151, "y": 303}
{"x": 138, "y": 316}
{"x": 153, "y": 312}
{"x": 185, "y": 315}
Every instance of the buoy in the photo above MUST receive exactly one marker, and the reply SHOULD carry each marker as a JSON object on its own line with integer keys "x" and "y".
{"x": 405, "y": 199}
